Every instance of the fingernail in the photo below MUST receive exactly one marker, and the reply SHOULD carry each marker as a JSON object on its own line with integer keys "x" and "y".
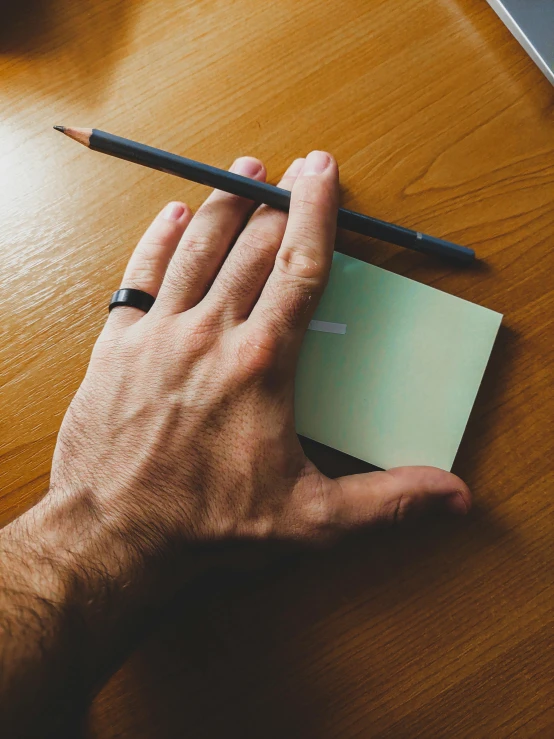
{"x": 247, "y": 166}
{"x": 316, "y": 162}
{"x": 295, "y": 168}
{"x": 173, "y": 211}
{"x": 456, "y": 504}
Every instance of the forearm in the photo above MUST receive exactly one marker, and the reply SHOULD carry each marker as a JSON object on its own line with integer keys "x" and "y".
{"x": 72, "y": 602}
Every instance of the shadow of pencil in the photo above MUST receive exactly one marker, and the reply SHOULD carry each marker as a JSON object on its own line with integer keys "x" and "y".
{"x": 401, "y": 260}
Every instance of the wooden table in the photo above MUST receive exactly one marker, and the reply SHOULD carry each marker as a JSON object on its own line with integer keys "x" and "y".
{"x": 439, "y": 121}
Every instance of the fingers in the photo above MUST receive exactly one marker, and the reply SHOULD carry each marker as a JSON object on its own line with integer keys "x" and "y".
{"x": 303, "y": 261}
{"x": 392, "y": 495}
{"x": 246, "y": 269}
{"x": 205, "y": 243}
{"x": 148, "y": 263}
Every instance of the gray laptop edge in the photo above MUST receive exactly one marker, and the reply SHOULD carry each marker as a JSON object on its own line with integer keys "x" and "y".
{"x": 532, "y": 23}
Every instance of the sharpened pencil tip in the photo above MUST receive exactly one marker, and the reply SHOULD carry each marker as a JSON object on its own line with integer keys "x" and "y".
{"x": 60, "y": 128}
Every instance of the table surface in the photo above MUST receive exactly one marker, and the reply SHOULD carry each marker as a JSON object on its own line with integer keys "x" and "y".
{"x": 440, "y": 122}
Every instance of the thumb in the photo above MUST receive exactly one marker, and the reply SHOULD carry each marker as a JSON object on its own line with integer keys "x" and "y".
{"x": 391, "y": 496}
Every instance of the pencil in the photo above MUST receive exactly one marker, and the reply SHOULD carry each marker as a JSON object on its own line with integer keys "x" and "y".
{"x": 259, "y": 192}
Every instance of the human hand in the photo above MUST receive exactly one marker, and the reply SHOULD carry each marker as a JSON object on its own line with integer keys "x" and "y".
{"x": 183, "y": 429}
{"x": 181, "y": 436}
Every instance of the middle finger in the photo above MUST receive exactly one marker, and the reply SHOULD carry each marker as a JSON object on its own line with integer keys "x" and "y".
{"x": 246, "y": 269}
{"x": 205, "y": 243}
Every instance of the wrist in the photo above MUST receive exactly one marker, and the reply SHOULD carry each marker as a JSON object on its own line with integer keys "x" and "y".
{"x": 85, "y": 575}
{"x": 86, "y": 547}
{"x": 69, "y": 610}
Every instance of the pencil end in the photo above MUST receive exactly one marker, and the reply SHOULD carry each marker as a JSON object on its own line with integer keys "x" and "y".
{"x": 60, "y": 128}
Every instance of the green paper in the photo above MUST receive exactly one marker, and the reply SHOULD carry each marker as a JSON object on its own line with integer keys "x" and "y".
{"x": 398, "y": 387}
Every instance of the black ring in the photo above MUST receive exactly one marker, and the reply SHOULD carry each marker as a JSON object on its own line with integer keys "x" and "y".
{"x": 132, "y": 298}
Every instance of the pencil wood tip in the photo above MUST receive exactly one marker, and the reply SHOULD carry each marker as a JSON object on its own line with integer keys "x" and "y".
{"x": 82, "y": 135}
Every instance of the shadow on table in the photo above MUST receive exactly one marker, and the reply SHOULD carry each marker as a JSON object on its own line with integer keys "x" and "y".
{"x": 71, "y": 44}
{"x": 23, "y": 22}
{"x": 484, "y": 418}
{"x": 276, "y": 654}
{"x": 290, "y": 651}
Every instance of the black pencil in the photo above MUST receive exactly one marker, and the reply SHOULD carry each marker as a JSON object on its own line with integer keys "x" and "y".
{"x": 259, "y": 192}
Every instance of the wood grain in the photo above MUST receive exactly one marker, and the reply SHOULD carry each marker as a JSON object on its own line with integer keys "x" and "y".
{"x": 439, "y": 121}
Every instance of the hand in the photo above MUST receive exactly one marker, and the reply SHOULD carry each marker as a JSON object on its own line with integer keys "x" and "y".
{"x": 180, "y": 436}
{"x": 183, "y": 429}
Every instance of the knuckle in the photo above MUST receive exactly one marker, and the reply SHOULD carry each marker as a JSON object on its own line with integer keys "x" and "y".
{"x": 302, "y": 260}
{"x": 193, "y": 250}
{"x": 196, "y": 243}
{"x": 146, "y": 255}
{"x": 144, "y": 268}
{"x": 314, "y": 509}
{"x": 257, "y": 352}
{"x": 319, "y": 510}
{"x": 261, "y": 241}
{"x": 396, "y": 511}
{"x": 292, "y": 263}
{"x": 211, "y": 210}
{"x": 195, "y": 340}
{"x": 393, "y": 510}
{"x": 307, "y": 204}
{"x": 142, "y": 277}
{"x": 300, "y": 272}
{"x": 254, "y": 253}
{"x": 173, "y": 283}
{"x": 147, "y": 246}
{"x": 199, "y": 328}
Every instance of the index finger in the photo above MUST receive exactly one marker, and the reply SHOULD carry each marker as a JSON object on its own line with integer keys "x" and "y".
{"x": 292, "y": 291}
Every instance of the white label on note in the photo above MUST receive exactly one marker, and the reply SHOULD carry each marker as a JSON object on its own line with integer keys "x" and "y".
{"x": 327, "y": 327}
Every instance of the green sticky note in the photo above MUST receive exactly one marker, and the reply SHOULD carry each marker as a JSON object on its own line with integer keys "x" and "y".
{"x": 391, "y": 370}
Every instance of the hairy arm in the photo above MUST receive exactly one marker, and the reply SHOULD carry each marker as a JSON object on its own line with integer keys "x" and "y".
{"x": 68, "y": 613}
